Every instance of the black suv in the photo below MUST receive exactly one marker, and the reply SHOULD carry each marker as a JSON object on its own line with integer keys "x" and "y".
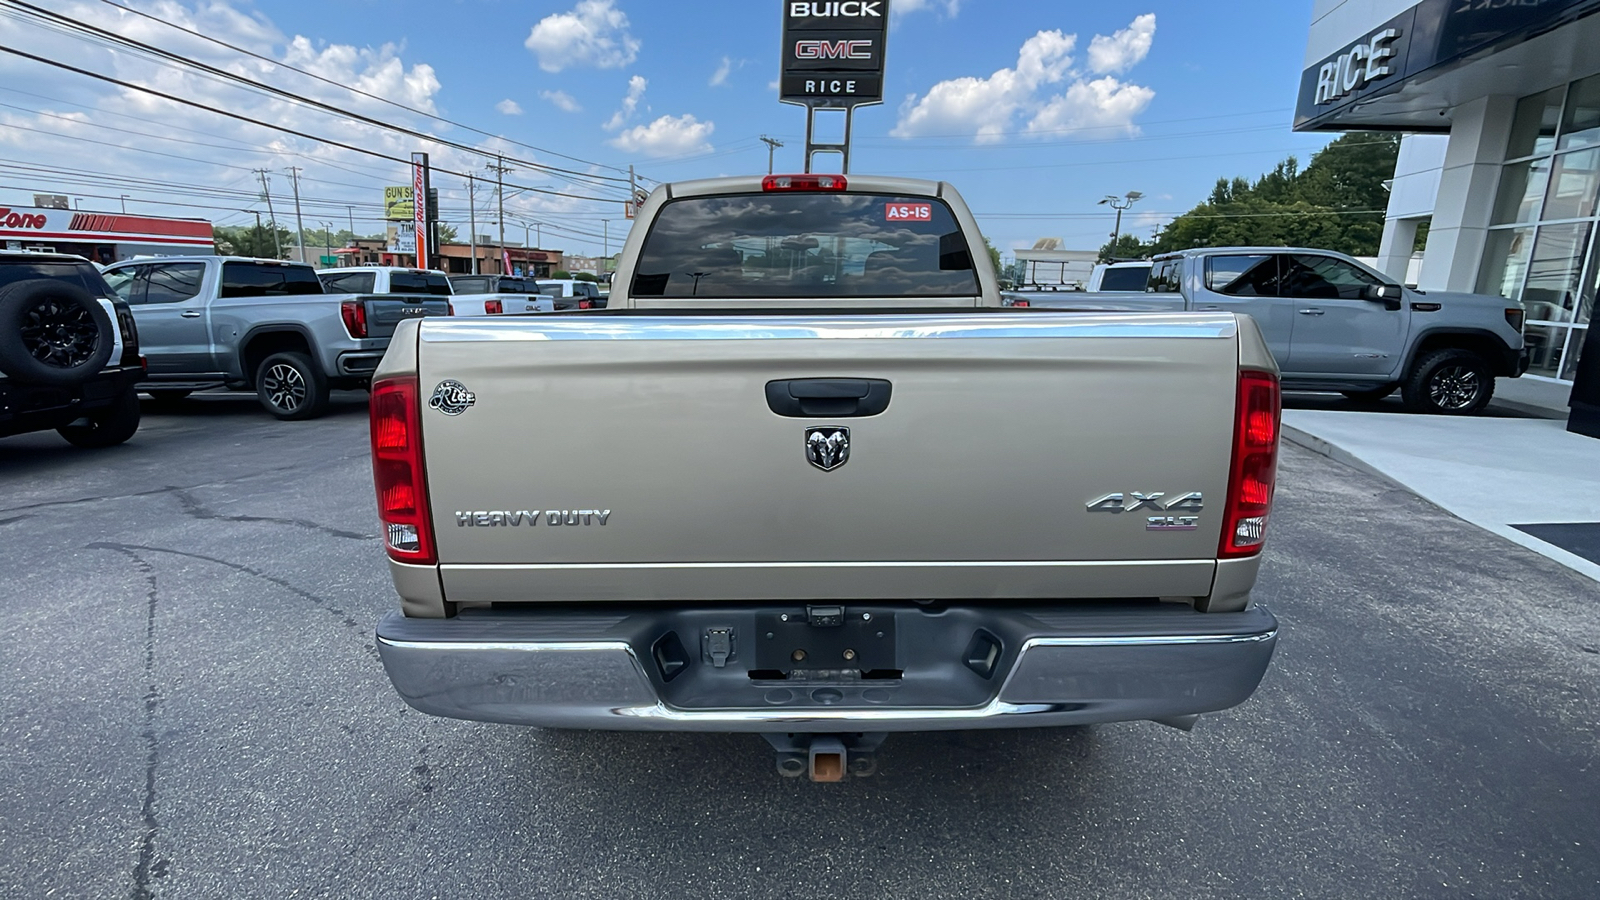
{"x": 69, "y": 352}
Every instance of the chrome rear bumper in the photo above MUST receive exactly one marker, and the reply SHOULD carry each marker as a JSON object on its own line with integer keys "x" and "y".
{"x": 1057, "y": 666}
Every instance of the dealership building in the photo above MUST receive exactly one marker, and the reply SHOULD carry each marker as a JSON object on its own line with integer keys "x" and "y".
{"x": 101, "y": 237}
{"x": 1500, "y": 102}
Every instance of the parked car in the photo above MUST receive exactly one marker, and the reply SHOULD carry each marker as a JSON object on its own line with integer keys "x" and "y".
{"x": 874, "y": 571}
{"x": 1334, "y": 324}
{"x": 493, "y": 295}
{"x": 385, "y": 280}
{"x": 1128, "y": 275}
{"x": 571, "y": 293}
{"x": 69, "y": 351}
{"x": 257, "y": 324}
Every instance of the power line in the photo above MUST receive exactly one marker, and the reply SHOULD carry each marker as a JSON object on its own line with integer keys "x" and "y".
{"x": 105, "y": 35}
{"x": 275, "y": 127}
{"x": 354, "y": 90}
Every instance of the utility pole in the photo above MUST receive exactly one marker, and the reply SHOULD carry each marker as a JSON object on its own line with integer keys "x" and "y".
{"x": 125, "y": 203}
{"x": 500, "y": 169}
{"x": 607, "y": 224}
{"x": 1119, "y": 204}
{"x": 272, "y": 217}
{"x": 299, "y": 224}
{"x": 327, "y": 238}
{"x": 633, "y": 190}
{"x": 472, "y": 220}
{"x": 351, "y": 213}
{"x": 772, "y": 145}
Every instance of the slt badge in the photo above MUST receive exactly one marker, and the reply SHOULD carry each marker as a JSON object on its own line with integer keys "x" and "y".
{"x": 828, "y": 446}
{"x": 452, "y": 398}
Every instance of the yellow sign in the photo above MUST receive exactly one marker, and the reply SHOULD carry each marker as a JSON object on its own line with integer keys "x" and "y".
{"x": 399, "y": 203}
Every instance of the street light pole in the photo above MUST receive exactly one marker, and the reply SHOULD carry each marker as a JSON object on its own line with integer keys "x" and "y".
{"x": 1119, "y": 204}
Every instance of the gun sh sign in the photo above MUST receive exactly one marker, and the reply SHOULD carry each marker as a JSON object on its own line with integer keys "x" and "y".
{"x": 833, "y": 52}
{"x": 419, "y": 212}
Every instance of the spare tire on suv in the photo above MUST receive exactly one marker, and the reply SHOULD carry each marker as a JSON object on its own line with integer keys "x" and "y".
{"x": 52, "y": 333}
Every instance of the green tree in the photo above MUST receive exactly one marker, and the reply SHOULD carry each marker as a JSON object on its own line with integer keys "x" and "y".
{"x": 447, "y": 233}
{"x": 1126, "y": 246}
{"x": 1335, "y": 203}
{"x": 254, "y": 241}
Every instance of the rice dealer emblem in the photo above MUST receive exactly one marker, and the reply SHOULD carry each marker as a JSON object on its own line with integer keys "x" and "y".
{"x": 452, "y": 398}
{"x": 828, "y": 446}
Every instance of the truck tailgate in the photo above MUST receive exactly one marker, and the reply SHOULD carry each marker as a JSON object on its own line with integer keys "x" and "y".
{"x": 629, "y": 458}
{"x": 384, "y": 312}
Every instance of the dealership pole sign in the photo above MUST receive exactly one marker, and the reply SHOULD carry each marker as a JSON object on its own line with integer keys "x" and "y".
{"x": 833, "y": 55}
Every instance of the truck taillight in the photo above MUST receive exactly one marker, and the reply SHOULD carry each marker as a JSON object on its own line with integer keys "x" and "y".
{"x": 397, "y": 470}
{"x": 1514, "y": 318}
{"x": 1021, "y": 304}
{"x": 803, "y": 183}
{"x": 355, "y": 317}
{"x": 1255, "y": 465}
{"x": 493, "y": 307}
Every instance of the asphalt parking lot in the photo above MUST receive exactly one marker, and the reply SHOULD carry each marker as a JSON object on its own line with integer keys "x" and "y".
{"x": 192, "y": 707}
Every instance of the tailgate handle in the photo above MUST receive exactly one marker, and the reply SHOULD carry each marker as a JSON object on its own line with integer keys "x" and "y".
{"x": 832, "y": 398}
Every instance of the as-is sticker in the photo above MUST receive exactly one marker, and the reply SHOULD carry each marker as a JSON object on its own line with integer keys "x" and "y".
{"x": 908, "y": 212}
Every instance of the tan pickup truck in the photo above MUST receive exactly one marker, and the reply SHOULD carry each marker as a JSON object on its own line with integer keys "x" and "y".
{"x": 832, "y": 490}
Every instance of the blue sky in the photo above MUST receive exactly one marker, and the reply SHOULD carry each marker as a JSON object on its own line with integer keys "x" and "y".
{"x": 1035, "y": 110}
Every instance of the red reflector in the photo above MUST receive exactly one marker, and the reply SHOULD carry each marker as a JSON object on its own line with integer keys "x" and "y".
{"x": 493, "y": 307}
{"x": 397, "y": 471}
{"x": 803, "y": 183}
{"x": 1255, "y": 465}
{"x": 1021, "y": 303}
{"x": 354, "y": 313}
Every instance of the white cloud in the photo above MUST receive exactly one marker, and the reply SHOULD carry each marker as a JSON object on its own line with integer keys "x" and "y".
{"x": 562, "y": 100}
{"x": 720, "y": 77}
{"x": 1123, "y": 50}
{"x": 594, "y": 33}
{"x": 509, "y": 107}
{"x": 630, "y": 104}
{"x": 902, "y": 7}
{"x": 1104, "y": 103}
{"x": 987, "y": 108}
{"x": 666, "y": 136}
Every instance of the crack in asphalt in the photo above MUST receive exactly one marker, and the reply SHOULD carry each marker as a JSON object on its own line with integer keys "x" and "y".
{"x": 16, "y": 519}
{"x": 168, "y": 489}
{"x": 193, "y": 508}
{"x": 326, "y": 605}
{"x": 148, "y": 865}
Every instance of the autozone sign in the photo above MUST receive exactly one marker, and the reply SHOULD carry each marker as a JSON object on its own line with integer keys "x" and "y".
{"x": 10, "y": 219}
{"x": 832, "y": 49}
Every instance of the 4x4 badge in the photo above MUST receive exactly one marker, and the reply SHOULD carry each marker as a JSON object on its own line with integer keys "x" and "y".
{"x": 828, "y": 446}
{"x": 452, "y": 398}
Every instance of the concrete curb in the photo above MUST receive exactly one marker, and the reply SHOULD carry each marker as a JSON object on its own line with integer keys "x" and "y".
{"x": 1339, "y": 455}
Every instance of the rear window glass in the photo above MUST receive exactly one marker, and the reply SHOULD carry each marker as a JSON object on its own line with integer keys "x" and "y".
{"x": 248, "y": 279}
{"x": 349, "y": 282}
{"x": 1128, "y": 278}
{"x": 419, "y": 283}
{"x": 553, "y": 288}
{"x": 802, "y": 245}
{"x": 472, "y": 284}
{"x": 82, "y": 276}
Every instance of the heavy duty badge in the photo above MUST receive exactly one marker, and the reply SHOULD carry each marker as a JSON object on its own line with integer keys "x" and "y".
{"x": 452, "y": 398}
{"x": 828, "y": 446}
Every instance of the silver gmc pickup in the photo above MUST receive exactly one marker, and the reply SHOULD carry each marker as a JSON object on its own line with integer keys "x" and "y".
{"x": 834, "y": 490}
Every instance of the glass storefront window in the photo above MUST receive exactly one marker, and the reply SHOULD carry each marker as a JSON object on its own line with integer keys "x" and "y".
{"x": 1545, "y": 344}
{"x": 1574, "y": 186}
{"x": 1580, "y": 125}
{"x": 1522, "y": 186}
{"x": 1569, "y": 360}
{"x": 1551, "y": 292}
{"x": 1533, "y": 131}
{"x": 1505, "y": 260}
